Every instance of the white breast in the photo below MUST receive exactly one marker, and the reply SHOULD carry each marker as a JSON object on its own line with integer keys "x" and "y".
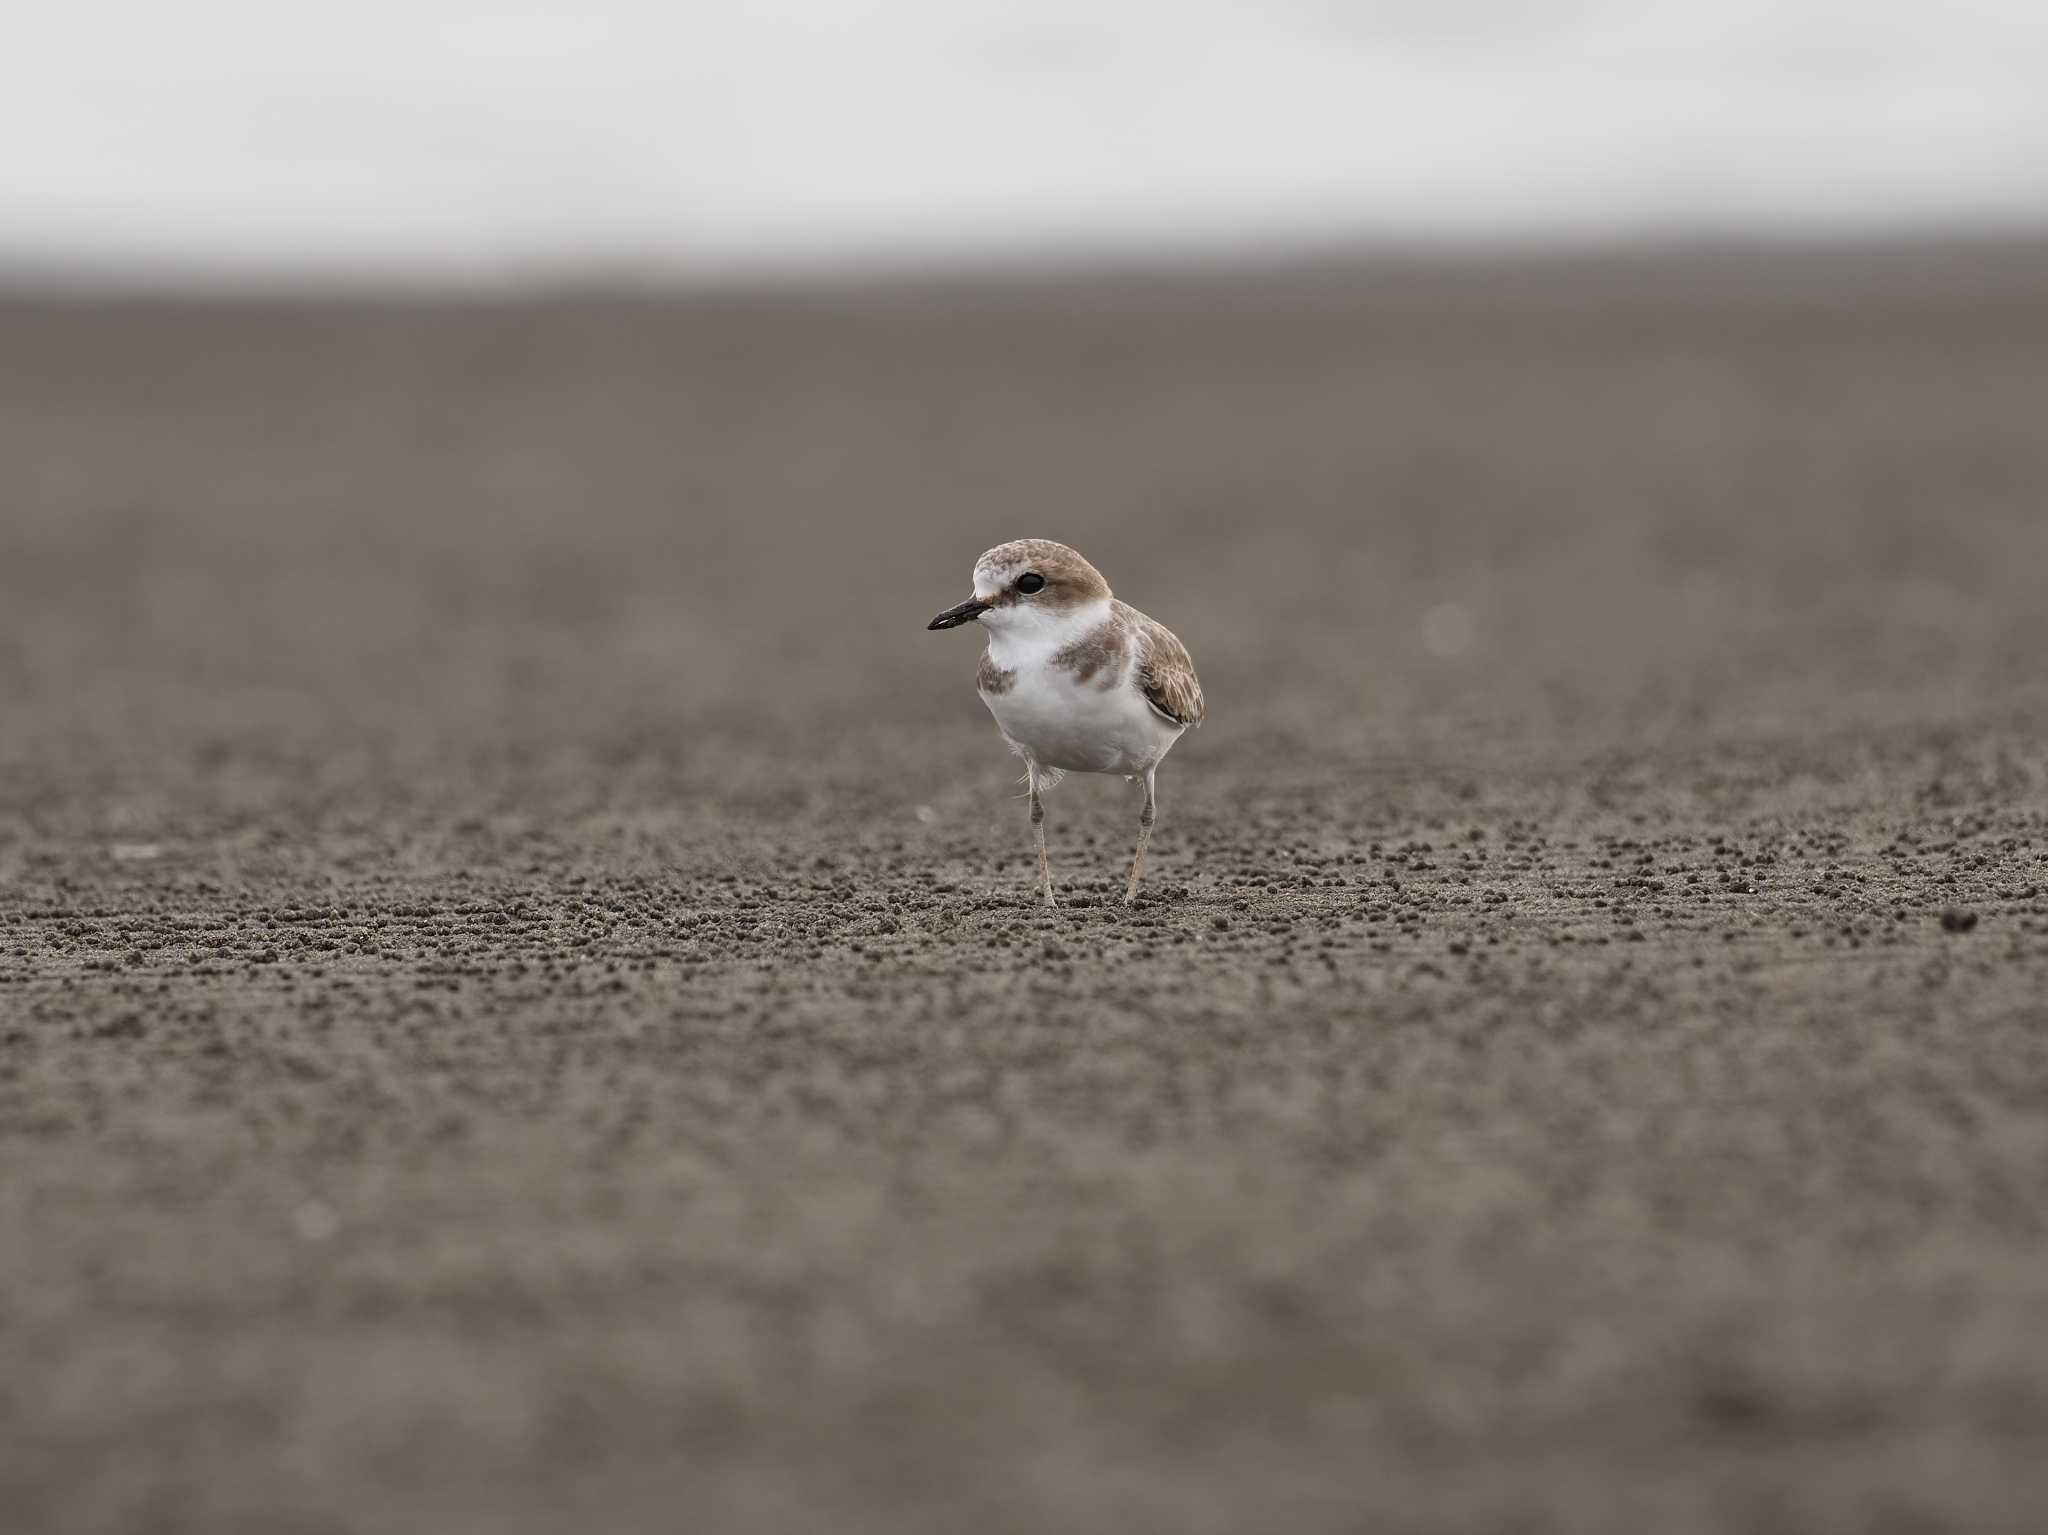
{"x": 1056, "y": 721}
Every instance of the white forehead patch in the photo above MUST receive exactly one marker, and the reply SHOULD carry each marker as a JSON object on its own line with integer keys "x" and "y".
{"x": 992, "y": 578}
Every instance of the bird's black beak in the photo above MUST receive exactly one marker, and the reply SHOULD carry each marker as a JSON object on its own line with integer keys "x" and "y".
{"x": 952, "y": 618}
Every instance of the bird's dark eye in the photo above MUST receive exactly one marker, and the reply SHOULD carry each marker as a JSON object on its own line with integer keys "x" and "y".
{"x": 1030, "y": 581}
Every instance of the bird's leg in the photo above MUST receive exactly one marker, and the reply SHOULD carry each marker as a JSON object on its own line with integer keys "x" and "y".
{"x": 1145, "y": 820}
{"x": 1038, "y": 831}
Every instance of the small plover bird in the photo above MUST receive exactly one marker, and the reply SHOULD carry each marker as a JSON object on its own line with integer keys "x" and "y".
{"x": 1078, "y": 681}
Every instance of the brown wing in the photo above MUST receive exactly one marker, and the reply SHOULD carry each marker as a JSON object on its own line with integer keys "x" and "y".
{"x": 1166, "y": 672}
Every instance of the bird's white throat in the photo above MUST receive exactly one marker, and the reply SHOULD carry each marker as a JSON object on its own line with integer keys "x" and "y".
{"x": 1023, "y": 635}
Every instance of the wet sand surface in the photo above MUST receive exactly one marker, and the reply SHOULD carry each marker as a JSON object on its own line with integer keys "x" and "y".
{"x": 522, "y": 1007}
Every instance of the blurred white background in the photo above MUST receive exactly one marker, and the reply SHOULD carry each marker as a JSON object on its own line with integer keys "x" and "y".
{"x": 479, "y": 140}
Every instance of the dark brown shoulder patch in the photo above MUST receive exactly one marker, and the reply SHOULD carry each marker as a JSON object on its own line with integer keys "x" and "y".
{"x": 991, "y": 678}
{"x": 1099, "y": 653}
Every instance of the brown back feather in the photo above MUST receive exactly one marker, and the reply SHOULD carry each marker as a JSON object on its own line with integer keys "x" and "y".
{"x": 1166, "y": 672}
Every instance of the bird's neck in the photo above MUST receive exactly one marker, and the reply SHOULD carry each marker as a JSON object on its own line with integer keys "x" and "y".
{"x": 1030, "y": 637}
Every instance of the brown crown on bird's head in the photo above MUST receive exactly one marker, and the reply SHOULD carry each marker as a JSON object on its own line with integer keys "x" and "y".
{"x": 1038, "y": 571}
{"x": 1027, "y": 585}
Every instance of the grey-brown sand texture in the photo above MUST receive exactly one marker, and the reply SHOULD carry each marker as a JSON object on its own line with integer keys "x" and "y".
{"x": 522, "y": 1008}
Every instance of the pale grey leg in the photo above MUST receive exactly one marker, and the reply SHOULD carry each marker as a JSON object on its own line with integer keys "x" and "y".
{"x": 1038, "y": 831}
{"x": 1145, "y": 819}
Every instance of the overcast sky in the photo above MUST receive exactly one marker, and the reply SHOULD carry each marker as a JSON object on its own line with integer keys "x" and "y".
{"x": 491, "y": 138}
